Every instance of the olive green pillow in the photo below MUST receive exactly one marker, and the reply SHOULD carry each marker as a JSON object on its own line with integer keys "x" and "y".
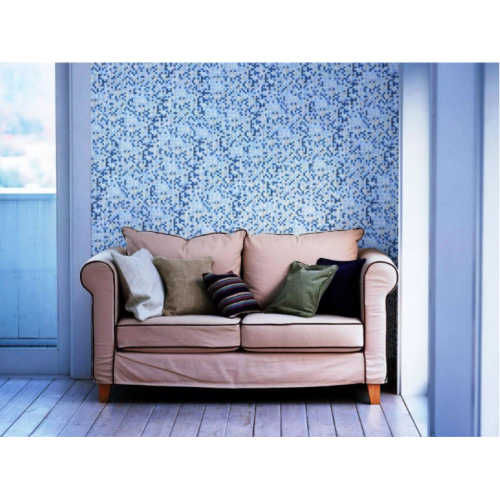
{"x": 303, "y": 290}
{"x": 185, "y": 290}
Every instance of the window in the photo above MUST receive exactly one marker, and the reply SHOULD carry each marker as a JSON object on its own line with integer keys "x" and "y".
{"x": 27, "y": 126}
{"x": 28, "y": 274}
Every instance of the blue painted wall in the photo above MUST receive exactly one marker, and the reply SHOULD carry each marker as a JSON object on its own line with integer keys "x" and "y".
{"x": 287, "y": 148}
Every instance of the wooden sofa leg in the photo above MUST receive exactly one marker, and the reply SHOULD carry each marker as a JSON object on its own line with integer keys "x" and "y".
{"x": 104, "y": 392}
{"x": 374, "y": 393}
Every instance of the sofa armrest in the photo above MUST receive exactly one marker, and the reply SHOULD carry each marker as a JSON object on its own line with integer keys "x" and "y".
{"x": 379, "y": 278}
{"x": 100, "y": 279}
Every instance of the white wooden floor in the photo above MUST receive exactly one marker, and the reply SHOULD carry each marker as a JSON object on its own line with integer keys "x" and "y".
{"x": 63, "y": 407}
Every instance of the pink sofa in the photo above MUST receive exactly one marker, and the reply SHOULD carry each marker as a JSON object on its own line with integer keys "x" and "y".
{"x": 259, "y": 350}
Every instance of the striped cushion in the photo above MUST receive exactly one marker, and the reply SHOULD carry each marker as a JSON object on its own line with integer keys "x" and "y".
{"x": 230, "y": 294}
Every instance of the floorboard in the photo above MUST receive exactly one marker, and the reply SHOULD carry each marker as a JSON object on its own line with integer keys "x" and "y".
{"x": 215, "y": 418}
{"x": 62, "y": 412}
{"x": 294, "y": 419}
{"x": 267, "y": 420}
{"x": 187, "y": 423}
{"x": 109, "y": 420}
{"x": 373, "y": 420}
{"x": 10, "y": 389}
{"x": 162, "y": 420}
{"x": 135, "y": 420}
{"x": 346, "y": 417}
{"x": 22, "y": 400}
{"x": 418, "y": 406}
{"x": 52, "y": 407}
{"x": 241, "y": 420}
{"x": 39, "y": 409}
{"x": 83, "y": 419}
{"x": 397, "y": 416}
{"x": 320, "y": 419}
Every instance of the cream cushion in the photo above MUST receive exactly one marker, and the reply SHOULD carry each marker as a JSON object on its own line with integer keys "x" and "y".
{"x": 285, "y": 333}
{"x": 179, "y": 334}
{"x": 141, "y": 284}
{"x": 267, "y": 257}
{"x": 225, "y": 249}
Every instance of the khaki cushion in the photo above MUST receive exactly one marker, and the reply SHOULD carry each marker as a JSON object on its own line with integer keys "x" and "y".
{"x": 285, "y": 333}
{"x": 224, "y": 248}
{"x": 185, "y": 290}
{"x": 267, "y": 257}
{"x": 179, "y": 334}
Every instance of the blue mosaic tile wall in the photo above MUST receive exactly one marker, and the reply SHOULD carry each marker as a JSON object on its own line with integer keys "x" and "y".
{"x": 287, "y": 148}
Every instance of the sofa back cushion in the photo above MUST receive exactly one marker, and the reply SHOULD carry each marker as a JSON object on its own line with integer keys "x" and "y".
{"x": 225, "y": 249}
{"x": 267, "y": 257}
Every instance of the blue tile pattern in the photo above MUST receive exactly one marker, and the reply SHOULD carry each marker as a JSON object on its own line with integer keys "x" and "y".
{"x": 287, "y": 148}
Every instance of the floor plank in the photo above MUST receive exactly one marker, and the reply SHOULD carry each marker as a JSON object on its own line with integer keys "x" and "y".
{"x": 109, "y": 420}
{"x": 39, "y": 409}
{"x": 10, "y": 389}
{"x": 62, "y": 412}
{"x": 267, "y": 420}
{"x": 46, "y": 407}
{"x": 187, "y": 423}
{"x": 320, "y": 419}
{"x": 345, "y": 415}
{"x": 22, "y": 400}
{"x": 135, "y": 420}
{"x": 241, "y": 420}
{"x": 373, "y": 420}
{"x": 397, "y": 416}
{"x": 162, "y": 420}
{"x": 418, "y": 406}
{"x": 215, "y": 418}
{"x": 294, "y": 419}
{"x": 83, "y": 419}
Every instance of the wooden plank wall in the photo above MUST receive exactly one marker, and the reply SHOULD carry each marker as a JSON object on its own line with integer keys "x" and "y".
{"x": 28, "y": 269}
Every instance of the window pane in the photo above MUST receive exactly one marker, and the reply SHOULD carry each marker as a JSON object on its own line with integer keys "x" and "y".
{"x": 28, "y": 270}
{"x": 27, "y": 126}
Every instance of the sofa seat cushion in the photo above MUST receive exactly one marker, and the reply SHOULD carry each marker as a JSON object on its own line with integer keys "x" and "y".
{"x": 179, "y": 334}
{"x": 267, "y": 257}
{"x": 285, "y": 333}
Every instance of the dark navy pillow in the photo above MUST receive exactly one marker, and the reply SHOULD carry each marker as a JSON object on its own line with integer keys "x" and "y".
{"x": 342, "y": 296}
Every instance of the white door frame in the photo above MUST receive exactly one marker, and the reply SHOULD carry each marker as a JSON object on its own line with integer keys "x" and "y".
{"x": 78, "y": 237}
{"x": 456, "y": 249}
{"x": 73, "y": 215}
{"x": 73, "y": 156}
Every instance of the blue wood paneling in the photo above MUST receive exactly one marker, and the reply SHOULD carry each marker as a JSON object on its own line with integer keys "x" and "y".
{"x": 28, "y": 276}
{"x": 9, "y": 317}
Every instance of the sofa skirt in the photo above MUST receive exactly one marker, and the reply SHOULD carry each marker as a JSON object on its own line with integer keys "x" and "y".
{"x": 234, "y": 370}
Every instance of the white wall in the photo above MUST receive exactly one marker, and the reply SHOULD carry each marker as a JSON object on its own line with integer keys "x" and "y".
{"x": 489, "y": 327}
{"x": 414, "y": 230}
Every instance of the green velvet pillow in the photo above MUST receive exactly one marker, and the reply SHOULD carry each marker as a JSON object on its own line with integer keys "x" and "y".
{"x": 303, "y": 290}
